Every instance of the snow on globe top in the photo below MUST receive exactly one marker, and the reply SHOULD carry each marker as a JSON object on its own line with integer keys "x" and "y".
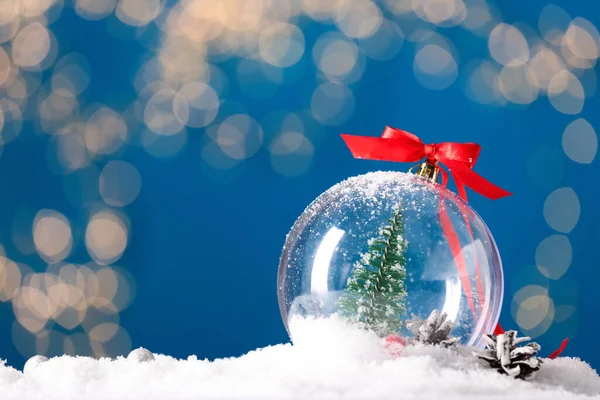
{"x": 380, "y": 248}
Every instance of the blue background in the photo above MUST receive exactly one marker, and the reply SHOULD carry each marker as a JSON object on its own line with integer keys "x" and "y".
{"x": 204, "y": 255}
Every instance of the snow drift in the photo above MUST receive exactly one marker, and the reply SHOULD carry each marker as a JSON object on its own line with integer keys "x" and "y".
{"x": 327, "y": 361}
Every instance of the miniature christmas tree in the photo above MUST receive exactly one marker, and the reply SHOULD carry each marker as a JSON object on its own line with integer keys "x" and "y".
{"x": 375, "y": 294}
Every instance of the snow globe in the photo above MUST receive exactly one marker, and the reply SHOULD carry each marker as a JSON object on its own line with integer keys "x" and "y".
{"x": 384, "y": 248}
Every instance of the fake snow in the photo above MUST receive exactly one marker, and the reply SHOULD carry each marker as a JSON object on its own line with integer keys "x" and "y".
{"x": 328, "y": 361}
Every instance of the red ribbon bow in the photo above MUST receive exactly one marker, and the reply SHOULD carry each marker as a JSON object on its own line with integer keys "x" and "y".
{"x": 401, "y": 146}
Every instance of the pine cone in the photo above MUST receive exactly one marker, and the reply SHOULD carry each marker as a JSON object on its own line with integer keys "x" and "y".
{"x": 435, "y": 330}
{"x": 504, "y": 355}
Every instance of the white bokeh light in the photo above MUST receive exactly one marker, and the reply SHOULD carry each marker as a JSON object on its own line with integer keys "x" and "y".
{"x": 562, "y": 209}
{"x": 580, "y": 141}
{"x": 553, "y": 256}
{"x": 508, "y": 45}
{"x": 120, "y": 183}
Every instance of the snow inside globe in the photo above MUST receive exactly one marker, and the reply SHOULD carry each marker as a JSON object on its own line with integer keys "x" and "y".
{"x": 380, "y": 249}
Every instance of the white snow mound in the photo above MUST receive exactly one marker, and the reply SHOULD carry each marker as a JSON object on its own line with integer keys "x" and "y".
{"x": 327, "y": 361}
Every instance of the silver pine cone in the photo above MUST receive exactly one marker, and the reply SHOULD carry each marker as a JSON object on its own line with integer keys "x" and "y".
{"x": 504, "y": 355}
{"x": 435, "y": 330}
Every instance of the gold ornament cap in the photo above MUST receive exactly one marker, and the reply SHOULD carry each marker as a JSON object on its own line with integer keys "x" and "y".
{"x": 427, "y": 170}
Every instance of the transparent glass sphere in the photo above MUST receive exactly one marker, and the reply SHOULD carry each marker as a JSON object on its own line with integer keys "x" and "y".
{"x": 445, "y": 256}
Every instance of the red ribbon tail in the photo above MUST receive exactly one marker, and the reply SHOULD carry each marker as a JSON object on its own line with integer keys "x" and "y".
{"x": 470, "y": 178}
{"x": 456, "y": 250}
{"x": 557, "y": 352}
{"x": 444, "y": 177}
{"x": 499, "y": 330}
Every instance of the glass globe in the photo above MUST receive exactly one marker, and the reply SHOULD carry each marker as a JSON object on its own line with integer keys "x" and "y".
{"x": 399, "y": 238}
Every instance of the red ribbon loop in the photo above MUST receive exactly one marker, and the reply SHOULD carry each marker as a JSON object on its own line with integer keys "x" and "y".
{"x": 401, "y": 146}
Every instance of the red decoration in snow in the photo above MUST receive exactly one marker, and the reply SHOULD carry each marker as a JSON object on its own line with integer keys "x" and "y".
{"x": 394, "y": 344}
{"x": 557, "y": 352}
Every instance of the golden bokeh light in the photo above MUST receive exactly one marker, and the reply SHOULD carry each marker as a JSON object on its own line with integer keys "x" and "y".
{"x": 13, "y": 120}
{"x": 335, "y": 56}
{"x": 553, "y": 256}
{"x": 580, "y": 141}
{"x": 57, "y": 106}
{"x": 167, "y": 112}
{"x": 582, "y": 39}
{"x": 553, "y": 22}
{"x": 479, "y": 17}
{"x": 332, "y": 103}
{"x": 118, "y": 342}
{"x": 71, "y": 75}
{"x": 52, "y": 235}
{"x": 93, "y": 9}
{"x": 105, "y": 131}
{"x": 562, "y": 210}
{"x": 163, "y": 146}
{"x": 107, "y": 288}
{"x": 31, "y": 45}
{"x": 281, "y": 44}
{"x": 435, "y": 67}
{"x": 400, "y": 7}
{"x": 126, "y": 289}
{"x": 385, "y": 44}
{"x": 482, "y": 82}
{"x": 518, "y": 84}
{"x": 106, "y": 237}
{"x": 10, "y": 279}
{"x": 102, "y": 333}
{"x": 120, "y": 183}
{"x": 10, "y": 21}
{"x": 5, "y": 66}
{"x": 545, "y": 64}
{"x": 573, "y": 60}
{"x": 240, "y": 136}
{"x": 566, "y": 93}
{"x": 215, "y": 157}
{"x": 533, "y": 310}
{"x": 33, "y": 8}
{"x": 240, "y": 15}
{"x": 138, "y": 12}
{"x": 1, "y": 127}
{"x": 71, "y": 152}
{"x": 197, "y": 20}
{"x": 203, "y": 103}
{"x": 96, "y": 316}
{"x": 358, "y": 18}
{"x": 508, "y": 45}
{"x": 441, "y": 12}
{"x": 291, "y": 154}
{"x": 320, "y": 10}
{"x": 32, "y": 308}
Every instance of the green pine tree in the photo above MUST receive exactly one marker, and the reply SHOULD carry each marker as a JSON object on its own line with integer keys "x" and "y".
{"x": 375, "y": 294}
